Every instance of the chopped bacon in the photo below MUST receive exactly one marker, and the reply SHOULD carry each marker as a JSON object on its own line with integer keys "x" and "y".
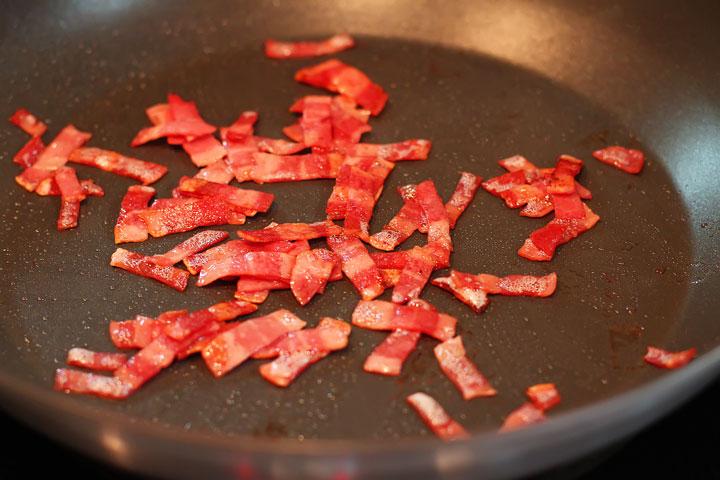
{"x": 218, "y": 172}
{"x": 263, "y": 265}
{"x": 402, "y": 225}
{"x": 365, "y": 174}
{"x": 334, "y": 44}
{"x": 159, "y": 113}
{"x": 388, "y": 357}
{"x": 357, "y": 265}
{"x": 291, "y": 231}
{"x": 382, "y": 315}
{"x": 28, "y": 154}
{"x": 336, "y": 76}
{"x": 542, "y": 242}
{"x": 69, "y": 186}
{"x": 463, "y": 195}
{"x": 69, "y": 213}
{"x": 435, "y": 417}
{"x": 50, "y": 187}
{"x": 543, "y": 395}
{"x": 143, "y": 265}
{"x": 254, "y": 285}
{"x": 130, "y": 227}
{"x": 390, "y": 277}
{"x": 81, "y": 357}
{"x": 176, "y": 128}
{"x": 28, "y": 123}
{"x": 299, "y": 349}
{"x": 562, "y": 178}
{"x": 247, "y": 202}
{"x": 390, "y": 260}
{"x": 187, "y": 214}
{"x": 476, "y": 298}
{"x": 145, "y": 172}
{"x": 310, "y": 274}
{"x": 437, "y": 221}
{"x": 415, "y": 149}
{"x": 461, "y": 371}
{"x": 295, "y": 132}
{"x": 241, "y": 129}
{"x": 271, "y": 168}
{"x": 135, "y": 333}
{"x": 77, "y": 381}
{"x": 240, "y": 159}
{"x": 626, "y": 159}
{"x": 415, "y": 274}
{"x": 197, "y": 243}
{"x": 254, "y": 297}
{"x": 528, "y": 414}
{"x": 205, "y": 150}
{"x": 348, "y": 123}
{"x": 666, "y": 359}
{"x": 316, "y": 121}
{"x": 195, "y": 262}
{"x": 506, "y": 181}
{"x": 518, "y": 162}
{"x": 54, "y": 156}
{"x": 233, "y": 346}
{"x": 513, "y": 285}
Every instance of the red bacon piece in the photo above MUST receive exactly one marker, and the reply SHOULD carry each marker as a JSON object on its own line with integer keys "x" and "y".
{"x": 338, "y": 77}
{"x": 382, "y": 315}
{"x": 271, "y": 168}
{"x": 145, "y": 172}
{"x": 28, "y": 123}
{"x": 69, "y": 213}
{"x": 54, "y": 156}
{"x": 518, "y": 162}
{"x": 437, "y": 221}
{"x": 348, "y": 123}
{"x": 254, "y": 285}
{"x": 388, "y": 357}
{"x": 415, "y": 149}
{"x": 542, "y": 242}
{"x": 626, "y": 159}
{"x": 77, "y": 381}
{"x": 402, "y": 225}
{"x": 461, "y": 371}
{"x": 543, "y": 395}
{"x": 311, "y": 272}
{"x": 562, "y": 178}
{"x": 183, "y": 215}
{"x": 140, "y": 331}
{"x": 334, "y": 44}
{"x": 390, "y": 260}
{"x": 435, "y": 417}
{"x": 390, "y": 277}
{"x": 50, "y": 187}
{"x": 277, "y": 146}
{"x": 158, "y": 114}
{"x": 197, "y": 243}
{"x": 255, "y": 297}
{"x": 476, "y": 298}
{"x": 28, "y": 154}
{"x": 246, "y": 201}
{"x": 316, "y": 121}
{"x": 291, "y": 231}
{"x": 415, "y": 274}
{"x": 241, "y": 129}
{"x": 68, "y": 184}
{"x": 143, "y": 265}
{"x": 177, "y": 128}
{"x": 205, "y": 150}
{"x": 462, "y": 196}
{"x": 357, "y": 265}
{"x": 506, "y": 181}
{"x": 295, "y": 132}
{"x": 513, "y": 285}
{"x": 528, "y": 414}
{"x": 263, "y": 265}
{"x": 235, "y": 345}
{"x": 130, "y": 227}
{"x": 195, "y": 262}
{"x": 81, "y": 357}
{"x": 298, "y": 350}
{"x": 218, "y": 172}
{"x": 240, "y": 159}
{"x": 666, "y": 359}
{"x": 365, "y": 174}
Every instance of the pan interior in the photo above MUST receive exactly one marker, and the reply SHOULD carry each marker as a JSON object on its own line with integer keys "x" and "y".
{"x": 622, "y": 286}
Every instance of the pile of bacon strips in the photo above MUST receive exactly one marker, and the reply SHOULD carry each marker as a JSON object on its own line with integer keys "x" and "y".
{"x": 325, "y": 144}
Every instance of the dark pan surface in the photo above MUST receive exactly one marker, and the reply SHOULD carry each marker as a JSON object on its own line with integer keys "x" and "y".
{"x": 644, "y": 275}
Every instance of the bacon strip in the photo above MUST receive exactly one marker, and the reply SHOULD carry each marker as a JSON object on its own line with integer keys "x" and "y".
{"x": 68, "y": 184}
{"x": 311, "y": 272}
{"x": 205, "y": 150}
{"x": 562, "y": 178}
{"x": 438, "y": 224}
{"x": 245, "y": 201}
{"x": 194, "y": 263}
{"x": 357, "y": 265}
{"x": 334, "y": 44}
{"x": 218, "y": 172}
{"x": 82, "y": 357}
{"x": 543, "y": 395}
{"x": 626, "y": 159}
{"x": 415, "y": 149}
{"x": 28, "y": 123}
{"x": 50, "y": 187}
{"x": 176, "y": 128}
{"x": 316, "y": 121}
{"x": 666, "y": 359}
{"x": 145, "y": 172}
{"x": 402, "y": 225}
{"x": 130, "y": 227}
{"x": 232, "y": 347}
{"x": 197, "y": 243}
{"x": 388, "y": 357}
{"x": 241, "y": 129}
{"x": 188, "y": 214}
{"x": 382, "y": 315}
{"x": 140, "y": 331}
{"x": 29, "y": 153}
{"x": 415, "y": 274}
{"x": 77, "y": 381}
{"x": 291, "y": 231}
{"x": 462, "y": 196}
{"x": 271, "y": 168}
{"x": 143, "y": 265}
{"x": 348, "y": 123}
{"x": 461, "y": 371}
{"x": 513, "y": 285}
{"x": 69, "y": 213}
{"x": 476, "y": 298}
{"x": 527, "y": 414}
{"x": 542, "y": 242}
{"x": 263, "y": 265}
{"x": 435, "y": 417}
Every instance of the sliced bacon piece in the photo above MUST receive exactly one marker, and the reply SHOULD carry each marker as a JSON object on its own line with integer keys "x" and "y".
{"x": 568, "y": 206}
{"x": 263, "y": 265}
{"x": 232, "y": 347}
{"x": 184, "y": 111}
{"x": 543, "y": 395}
{"x": 82, "y": 357}
{"x": 54, "y": 156}
{"x": 626, "y": 159}
{"x": 527, "y": 414}
{"x": 476, "y": 298}
{"x": 435, "y": 417}
{"x": 506, "y": 181}
{"x": 77, "y": 381}
{"x": 388, "y": 357}
{"x": 145, "y": 172}
{"x": 241, "y": 129}
{"x": 69, "y": 213}
{"x": 197, "y": 243}
{"x": 390, "y": 277}
{"x": 537, "y": 201}
{"x": 348, "y": 123}
{"x": 130, "y": 227}
{"x": 254, "y": 285}
{"x": 187, "y": 214}
{"x": 316, "y": 121}
{"x": 437, "y": 221}
{"x": 205, "y": 150}
{"x": 50, "y": 187}
{"x": 359, "y": 202}
{"x": 277, "y": 146}
{"x": 336, "y": 76}
{"x": 177, "y": 128}
{"x": 291, "y": 231}
{"x": 357, "y": 265}
{"x": 271, "y": 168}
{"x": 28, "y": 123}
{"x": 334, "y": 44}
{"x": 368, "y": 176}
{"x": 240, "y": 159}
{"x": 311, "y": 272}
{"x": 244, "y": 200}
{"x": 255, "y": 297}
{"x": 135, "y": 333}
{"x": 415, "y": 274}
{"x": 402, "y": 225}
{"x": 562, "y": 178}
{"x": 542, "y": 242}
{"x": 415, "y": 149}
{"x": 28, "y": 154}
{"x": 382, "y": 315}
{"x": 666, "y": 359}
{"x": 461, "y": 371}
{"x": 390, "y": 260}
{"x": 295, "y": 132}
{"x": 513, "y": 285}
{"x": 218, "y": 172}
{"x": 195, "y": 262}
{"x": 462, "y": 196}
{"x": 143, "y": 265}
{"x": 158, "y": 114}
{"x": 69, "y": 185}
{"x": 518, "y": 162}
{"x": 300, "y": 349}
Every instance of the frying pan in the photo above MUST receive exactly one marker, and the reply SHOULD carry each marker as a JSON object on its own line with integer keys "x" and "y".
{"x": 483, "y": 80}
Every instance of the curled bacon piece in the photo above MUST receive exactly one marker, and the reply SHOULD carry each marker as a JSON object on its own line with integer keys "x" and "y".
{"x": 69, "y": 185}
{"x": 527, "y": 414}
{"x": 28, "y": 154}
{"x": 130, "y": 227}
{"x": 247, "y": 202}
{"x": 28, "y": 123}
{"x": 334, "y": 44}
{"x": 271, "y": 168}
{"x": 82, "y": 357}
{"x": 205, "y": 150}
{"x": 665, "y": 359}
{"x": 50, "y": 187}
{"x": 626, "y": 159}
{"x": 194, "y": 263}
{"x": 415, "y": 149}
{"x": 197, "y": 243}
{"x": 438, "y": 224}
{"x": 388, "y": 357}
{"x": 542, "y": 242}
{"x": 382, "y": 315}
{"x": 69, "y": 213}
{"x": 357, "y": 265}
{"x": 476, "y": 298}
{"x": 145, "y": 172}
{"x": 415, "y": 274}
{"x": 316, "y": 122}
{"x": 362, "y": 178}
{"x": 182, "y": 215}
{"x": 218, "y": 172}
{"x": 529, "y": 285}
{"x": 543, "y": 395}
{"x": 175, "y": 128}
{"x": 435, "y": 417}
{"x": 140, "y": 331}
{"x": 263, "y": 265}
{"x": 562, "y": 178}
{"x": 402, "y": 225}
{"x": 291, "y": 231}
{"x": 311, "y": 272}
{"x": 77, "y": 381}
{"x": 143, "y": 265}
{"x": 462, "y": 196}
{"x": 464, "y": 374}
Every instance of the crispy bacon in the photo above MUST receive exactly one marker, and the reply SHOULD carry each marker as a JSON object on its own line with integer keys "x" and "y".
{"x": 68, "y": 184}
{"x": 197, "y": 243}
{"x": 666, "y": 359}
{"x": 437, "y": 221}
{"x": 177, "y": 128}
{"x": 382, "y": 315}
{"x": 54, "y": 156}
{"x": 415, "y": 274}
{"x": 462, "y": 196}
{"x": 626, "y": 159}
{"x": 218, "y": 172}
{"x": 562, "y": 178}
{"x": 316, "y": 121}
{"x": 402, "y": 225}
{"x": 357, "y": 265}
{"x": 415, "y": 149}
{"x": 28, "y": 123}
{"x": 195, "y": 262}
{"x": 140, "y": 331}
{"x": 348, "y": 123}
{"x": 247, "y": 202}
{"x": 187, "y": 214}
{"x": 233, "y": 346}
{"x": 271, "y": 168}
{"x": 291, "y": 231}
{"x": 311, "y": 272}
{"x": 50, "y": 187}
{"x": 365, "y": 174}
{"x": 145, "y": 172}
{"x": 77, "y": 381}
{"x": 435, "y": 417}
{"x": 205, "y": 150}
{"x": 338, "y": 77}
{"x": 461, "y": 371}
{"x": 82, "y": 357}
{"x": 334, "y": 44}
{"x": 263, "y": 265}
{"x": 69, "y": 213}
{"x": 130, "y": 227}
{"x": 28, "y": 154}
{"x": 529, "y": 285}
{"x": 476, "y": 298}
{"x": 241, "y": 129}
{"x": 527, "y": 414}
{"x": 542, "y": 242}
{"x": 388, "y": 357}
{"x": 143, "y": 265}
{"x": 543, "y": 395}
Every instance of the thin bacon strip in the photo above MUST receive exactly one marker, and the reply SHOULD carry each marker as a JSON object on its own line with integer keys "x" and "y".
{"x": 194, "y": 263}
{"x": 69, "y": 185}
{"x": 197, "y": 243}
{"x": 143, "y": 265}
{"x": 188, "y": 214}
{"x": 415, "y": 274}
{"x": 263, "y": 265}
{"x": 291, "y": 231}
{"x": 241, "y": 129}
{"x": 527, "y": 414}
{"x": 254, "y": 285}
{"x": 50, "y": 187}
{"x": 140, "y": 331}
{"x": 666, "y": 359}
{"x": 388, "y": 357}
{"x": 232, "y": 347}
{"x": 462, "y": 196}
{"x": 82, "y": 357}
{"x": 402, "y": 225}
{"x": 29, "y": 153}
{"x": 626, "y": 159}
{"x": 348, "y": 123}
{"x": 271, "y": 168}
{"x": 461, "y": 371}
{"x": 244, "y": 200}
{"x": 542, "y": 242}
{"x": 77, "y": 381}
{"x": 130, "y": 227}
{"x": 438, "y": 224}
{"x": 357, "y": 265}
{"x": 205, "y": 150}
{"x": 562, "y": 178}
{"x": 316, "y": 121}
{"x": 176, "y": 128}
{"x": 254, "y": 297}
{"x": 366, "y": 174}
{"x": 543, "y": 395}
{"x": 415, "y": 149}
{"x": 513, "y": 285}
{"x": 435, "y": 417}
{"x": 28, "y": 123}
{"x": 382, "y": 315}
{"x": 218, "y": 172}
{"x": 69, "y": 213}
{"x": 476, "y": 298}
{"x": 311, "y": 272}
{"x": 504, "y": 182}
{"x": 334, "y": 44}
{"x": 145, "y": 172}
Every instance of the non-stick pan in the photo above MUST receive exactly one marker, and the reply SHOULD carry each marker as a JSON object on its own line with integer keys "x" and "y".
{"x": 483, "y": 81}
